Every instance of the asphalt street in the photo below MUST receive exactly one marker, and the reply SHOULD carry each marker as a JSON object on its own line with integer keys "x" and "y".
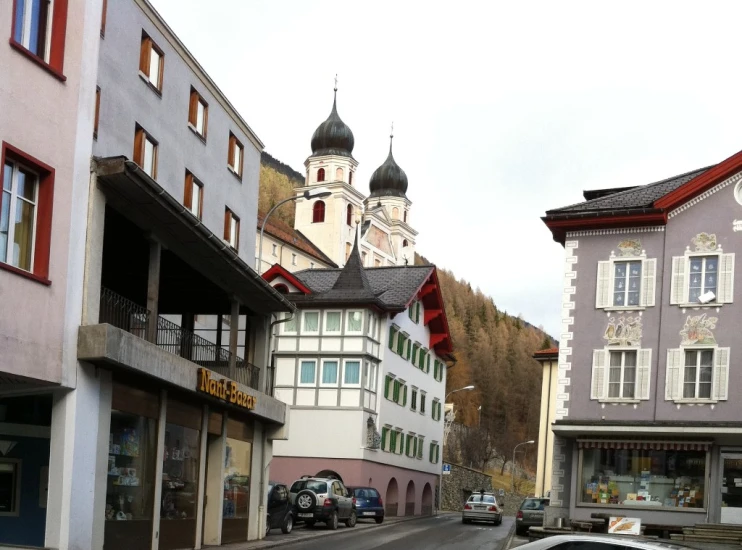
{"x": 444, "y": 531}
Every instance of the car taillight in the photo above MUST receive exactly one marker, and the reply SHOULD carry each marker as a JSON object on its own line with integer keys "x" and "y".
{"x": 467, "y": 507}
{"x": 493, "y": 508}
{"x": 328, "y": 502}
{"x": 354, "y": 501}
{"x": 519, "y": 515}
{"x": 381, "y": 502}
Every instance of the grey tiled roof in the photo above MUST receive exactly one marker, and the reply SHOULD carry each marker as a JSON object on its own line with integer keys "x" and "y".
{"x": 636, "y": 198}
{"x": 392, "y": 287}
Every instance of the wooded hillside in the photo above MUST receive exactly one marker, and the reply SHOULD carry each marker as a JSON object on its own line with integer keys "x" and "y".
{"x": 494, "y": 351}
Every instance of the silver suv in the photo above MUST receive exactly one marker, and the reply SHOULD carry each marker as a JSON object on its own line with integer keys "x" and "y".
{"x": 323, "y": 499}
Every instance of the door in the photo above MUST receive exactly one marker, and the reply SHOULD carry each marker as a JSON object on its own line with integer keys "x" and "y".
{"x": 731, "y": 488}
{"x": 344, "y": 502}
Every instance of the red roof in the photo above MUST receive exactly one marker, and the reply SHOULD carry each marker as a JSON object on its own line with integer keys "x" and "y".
{"x": 551, "y": 353}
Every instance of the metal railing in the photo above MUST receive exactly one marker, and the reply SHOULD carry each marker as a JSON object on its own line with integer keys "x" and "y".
{"x": 131, "y": 317}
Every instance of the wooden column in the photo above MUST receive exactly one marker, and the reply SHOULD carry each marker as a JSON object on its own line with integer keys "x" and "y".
{"x": 234, "y": 328}
{"x": 153, "y": 288}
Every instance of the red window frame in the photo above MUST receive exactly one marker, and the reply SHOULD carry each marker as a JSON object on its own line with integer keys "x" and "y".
{"x": 318, "y": 212}
{"x": 55, "y": 65}
{"x": 44, "y": 207}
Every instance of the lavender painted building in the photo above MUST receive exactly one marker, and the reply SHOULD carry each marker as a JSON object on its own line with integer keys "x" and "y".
{"x": 647, "y": 422}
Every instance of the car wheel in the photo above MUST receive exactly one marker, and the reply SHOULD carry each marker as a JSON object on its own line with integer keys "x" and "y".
{"x": 332, "y": 523}
{"x": 288, "y": 524}
{"x": 267, "y": 525}
{"x": 306, "y": 501}
{"x": 351, "y": 521}
{"x": 379, "y": 520}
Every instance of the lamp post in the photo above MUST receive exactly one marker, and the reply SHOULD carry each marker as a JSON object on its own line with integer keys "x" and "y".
{"x": 479, "y": 424}
{"x": 440, "y": 484}
{"x": 319, "y": 193}
{"x": 512, "y": 466}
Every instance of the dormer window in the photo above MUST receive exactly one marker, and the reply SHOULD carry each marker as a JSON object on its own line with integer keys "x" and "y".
{"x": 321, "y": 174}
{"x": 318, "y": 212}
{"x": 282, "y": 288}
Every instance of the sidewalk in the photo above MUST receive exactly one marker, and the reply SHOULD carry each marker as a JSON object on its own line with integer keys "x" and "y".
{"x": 302, "y": 534}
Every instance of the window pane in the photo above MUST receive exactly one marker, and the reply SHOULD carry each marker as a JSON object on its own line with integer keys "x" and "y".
{"x": 311, "y": 321}
{"x": 23, "y": 234}
{"x": 237, "y": 159}
{"x": 689, "y": 382}
{"x": 200, "y": 117}
{"x": 149, "y": 157}
{"x": 290, "y": 326}
{"x": 4, "y": 223}
{"x": 711, "y": 264}
{"x": 26, "y": 185}
{"x": 306, "y": 376}
{"x": 196, "y": 200}
{"x": 237, "y": 465}
{"x": 18, "y": 28}
{"x": 330, "y": 372}
{"x": 154, "y": 67}
{"x": 352, "y": 372}
{"x": 333, "y": 321}
{"x": 38, "y": 12}
{"x": 355, "y": 321}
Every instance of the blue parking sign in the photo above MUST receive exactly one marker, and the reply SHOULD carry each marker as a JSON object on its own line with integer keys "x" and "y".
{"x": 446, "y": 469}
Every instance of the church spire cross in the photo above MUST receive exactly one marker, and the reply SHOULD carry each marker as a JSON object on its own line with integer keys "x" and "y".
{"x": 336, "y": 82}
{"x": 391, "y": 137}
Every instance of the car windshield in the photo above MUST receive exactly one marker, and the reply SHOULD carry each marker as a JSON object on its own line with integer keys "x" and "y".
{"x": 487, "y": 499}
{"x": 365, "y": 493}
{"x": 534, "y": 504}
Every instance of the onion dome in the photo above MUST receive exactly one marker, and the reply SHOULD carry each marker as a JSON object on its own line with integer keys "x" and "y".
{"x": 333, "y": 136}
{"x": 389, "y": 180}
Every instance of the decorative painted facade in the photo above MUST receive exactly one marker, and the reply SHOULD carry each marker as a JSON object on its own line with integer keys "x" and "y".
{"x": 648, "y": 427}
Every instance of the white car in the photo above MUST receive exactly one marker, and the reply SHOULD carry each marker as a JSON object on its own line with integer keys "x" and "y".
{"x": 598, "y": 542}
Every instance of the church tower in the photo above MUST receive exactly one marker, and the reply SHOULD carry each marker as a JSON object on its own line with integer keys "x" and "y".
{"x": 388, "y": 207}
{"x": 330, "y": 222}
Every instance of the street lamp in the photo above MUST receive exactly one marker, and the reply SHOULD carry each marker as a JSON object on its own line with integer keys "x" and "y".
{"x": 318, "y": 193}
{"x": 512, "y": 466}
{"x": 465, "y": 388}
{"x": 445, "y": 434}
{"x": 480, "y": 415}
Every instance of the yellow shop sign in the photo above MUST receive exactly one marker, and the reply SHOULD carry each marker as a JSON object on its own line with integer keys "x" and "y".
{"x": 226, "y": 390}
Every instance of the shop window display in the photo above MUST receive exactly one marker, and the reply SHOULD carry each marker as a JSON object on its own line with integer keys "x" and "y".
{"x": 643, "y": 477}
{"x": 132, "y": 447}
{"x": 237, "y": 465}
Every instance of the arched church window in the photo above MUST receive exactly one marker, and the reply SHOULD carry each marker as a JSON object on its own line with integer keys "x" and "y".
{"x": 321, "y": 174}
{"x": 339, "y": 174}
{"x": 349, "y": 215}
{"x": 395, "y": 213}
{"x": 350, "y": 178}
{"x": 405, "y": 243}
{"x": 318, "y": 212}
{"x": 405, "y": 216}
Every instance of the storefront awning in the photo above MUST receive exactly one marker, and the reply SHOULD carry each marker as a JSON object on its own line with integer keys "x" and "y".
{"x": 644, "y": 444}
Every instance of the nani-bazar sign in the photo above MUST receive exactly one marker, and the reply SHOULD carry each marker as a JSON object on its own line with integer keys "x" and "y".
{"x": 226, "y": 390}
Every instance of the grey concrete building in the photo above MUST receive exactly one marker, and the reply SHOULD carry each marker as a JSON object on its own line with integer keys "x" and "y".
{"x": 647, "y": 422}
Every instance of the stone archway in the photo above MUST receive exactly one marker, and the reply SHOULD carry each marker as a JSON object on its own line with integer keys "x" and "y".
{"x": 391, "y": 502}
{"x": 409, "y": 508}
{"x": 427, "y": 509}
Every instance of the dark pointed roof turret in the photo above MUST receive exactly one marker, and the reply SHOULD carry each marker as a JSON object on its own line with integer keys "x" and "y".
{"x": 333, "y": 136}
{"x": 388, "y": 180}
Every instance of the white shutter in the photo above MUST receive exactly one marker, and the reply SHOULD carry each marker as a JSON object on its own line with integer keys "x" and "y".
{"x": 603, "y": 287}
{"x": 599, "y": 375}
{"x": 721, "y": 373}
{"x": 649, "y": 275}
{"x": 725, "y": 288}
{"x": 673, "y": 377}
{"x": 678, "y": 294}
{"x": 643, "y": 371}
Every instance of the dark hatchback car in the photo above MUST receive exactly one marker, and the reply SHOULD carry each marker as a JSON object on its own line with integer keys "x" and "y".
{"x": 368, "y": 503}
{"x": 530, "y": 514}
{"x": 280, "y": 510}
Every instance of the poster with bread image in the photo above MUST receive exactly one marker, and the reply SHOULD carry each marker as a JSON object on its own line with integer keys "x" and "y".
{"x": 625, "y": 526}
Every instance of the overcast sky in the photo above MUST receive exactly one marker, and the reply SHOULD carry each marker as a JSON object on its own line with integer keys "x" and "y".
{"x": 501, "y": 110}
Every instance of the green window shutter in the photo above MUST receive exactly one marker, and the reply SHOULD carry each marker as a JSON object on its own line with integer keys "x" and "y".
{"x": 437, "y": 453}
{"x": 392, "y": 334}
{"x": 407, "y": 444}
{"x": 384, "y": 432}
{"x": 414, "y": 443}
{"x": 400, "y": 344}
{"x": 417, "y": 312}
{"x": 409, "y": 350}
{"x": 415, "y": 349}
{"x": 427, "y": 364}
{"x": 409, "y": 311}
{"x": 387, "y": 383}
{"x": 395, "y": 394}
{"x": 430, "y": 454}
{"x": 422, "y": 404}
{"x": 393, "y": 444}
{"x": 404, "y": 398}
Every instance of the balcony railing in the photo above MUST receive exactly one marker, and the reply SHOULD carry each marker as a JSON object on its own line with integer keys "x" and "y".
{"x": 131, "y": 317}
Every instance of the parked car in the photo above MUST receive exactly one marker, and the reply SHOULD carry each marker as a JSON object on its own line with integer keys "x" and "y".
{"x": 482, "y": 506}
{"x": 368, "y": 503}
{"x": 280, "y": 511}
{"x": 325, "y": 500}
{"x": 599, "y": 542}
{"x": 530, "y": 514}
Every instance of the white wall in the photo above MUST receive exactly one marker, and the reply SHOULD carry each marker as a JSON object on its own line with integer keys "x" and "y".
{"x": 324, "y": 433}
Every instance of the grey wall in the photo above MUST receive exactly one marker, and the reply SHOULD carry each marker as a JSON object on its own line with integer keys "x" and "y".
{"x": 460, "y": 483}
{"x": 126, "y": 99}
{"x": 661, "y": 323}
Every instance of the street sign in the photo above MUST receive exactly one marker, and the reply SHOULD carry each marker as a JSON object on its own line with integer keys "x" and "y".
{"x": 446, "y": 469}
{"x": 501, "y": 493}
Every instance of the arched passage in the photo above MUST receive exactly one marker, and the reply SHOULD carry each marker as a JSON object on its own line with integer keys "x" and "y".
{"x": 392, "y": 498}
{"x": 409, "y": 508}
{"x": 330, "y": 473}
{"x": 427, "y": 500}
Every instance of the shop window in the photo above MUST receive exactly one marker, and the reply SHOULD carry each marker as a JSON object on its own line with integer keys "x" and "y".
{"x": 151, "y": 63}
{"x": 25, "y": 214}
{"x": 318, "y": 212}
{"x": 39, "y": 28}
{"x": 321, "y": 174}
{"x": 10, "y": 487}
{"x": 658, "y": 475}
{"x": 237, "y": 467}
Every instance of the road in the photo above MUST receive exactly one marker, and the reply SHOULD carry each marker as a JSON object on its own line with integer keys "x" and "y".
{"x": 444, "y": 532}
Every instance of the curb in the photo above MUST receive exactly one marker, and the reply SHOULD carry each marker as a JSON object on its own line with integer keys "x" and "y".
{"x": 509, "y": 539}
{"x": 263, "y": 544}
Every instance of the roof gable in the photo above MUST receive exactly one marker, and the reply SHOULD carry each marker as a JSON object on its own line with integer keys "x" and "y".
{"x": 281, "y": 275}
